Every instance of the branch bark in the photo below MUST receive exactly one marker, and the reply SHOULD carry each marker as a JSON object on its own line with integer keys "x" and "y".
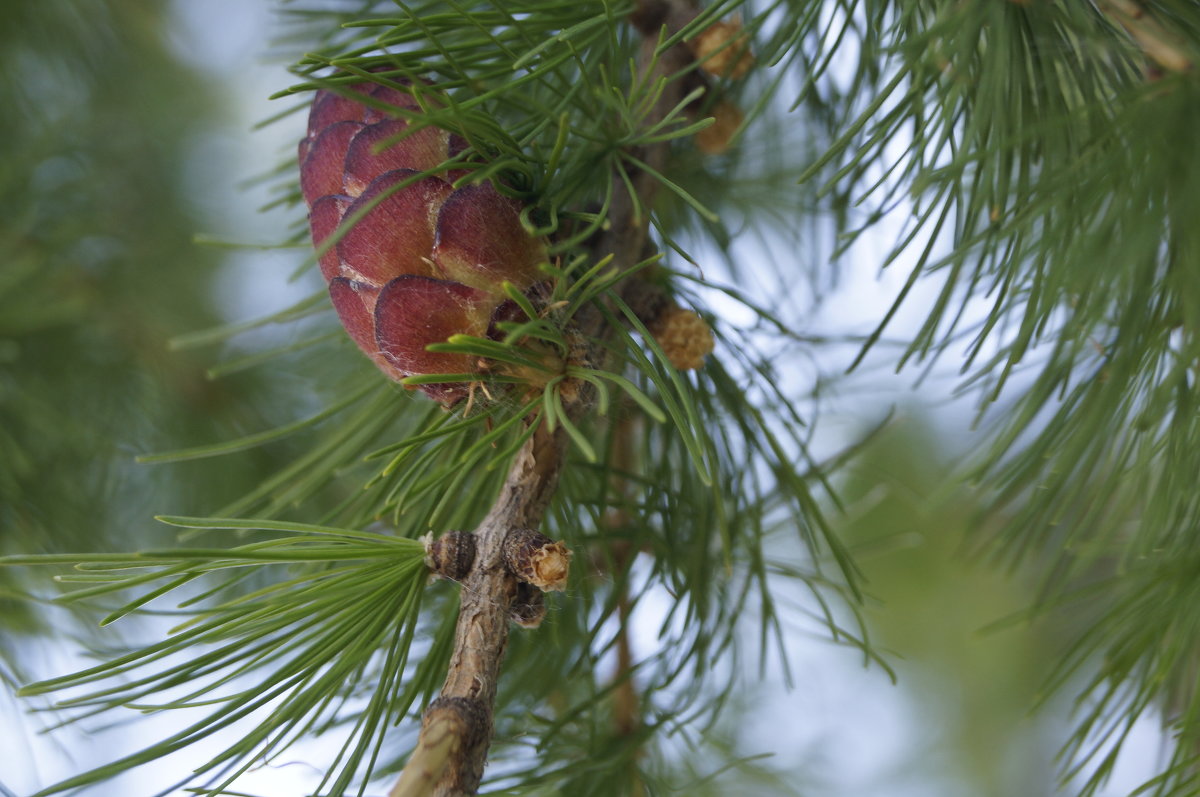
{"x": 457, "y": 728}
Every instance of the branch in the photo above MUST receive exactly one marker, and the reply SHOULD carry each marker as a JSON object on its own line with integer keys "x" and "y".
{"x": 1160, "y": 45}
{"x": 457, "y": 728}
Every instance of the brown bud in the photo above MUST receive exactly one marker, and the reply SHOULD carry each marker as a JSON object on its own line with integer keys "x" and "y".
{"x": 529, "y": 607}
{"x": 723, "y": 48}
{"x": 714, "y": 139}
{"x": 536, "y": 559}
{"x": 684, "y": 337}
{"x": 451, "y": 555}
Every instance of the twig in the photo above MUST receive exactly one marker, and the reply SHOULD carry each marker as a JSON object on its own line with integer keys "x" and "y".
{"x": 457, "y": 728}
{"x": 1160, "y": 45}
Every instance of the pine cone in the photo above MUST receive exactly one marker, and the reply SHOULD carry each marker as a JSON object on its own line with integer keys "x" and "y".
{"x": 426, "y": 261}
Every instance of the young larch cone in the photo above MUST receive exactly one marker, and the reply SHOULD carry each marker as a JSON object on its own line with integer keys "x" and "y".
{"x": 683, "y": 336}
{"x": 420, "y": 260}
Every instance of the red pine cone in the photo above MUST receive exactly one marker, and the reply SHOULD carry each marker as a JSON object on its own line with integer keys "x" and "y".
{"x": 426, "y": 262}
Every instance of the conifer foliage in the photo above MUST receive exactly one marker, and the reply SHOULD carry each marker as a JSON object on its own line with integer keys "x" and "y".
{"x": 549, "y": 411}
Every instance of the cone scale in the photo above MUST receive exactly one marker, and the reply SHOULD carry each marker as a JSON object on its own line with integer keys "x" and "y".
{"x": 417, "y": 260}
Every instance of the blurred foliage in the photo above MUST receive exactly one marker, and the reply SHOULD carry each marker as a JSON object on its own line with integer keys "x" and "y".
{"x": 99, "y": 272}
{"x": 907, "y": 517}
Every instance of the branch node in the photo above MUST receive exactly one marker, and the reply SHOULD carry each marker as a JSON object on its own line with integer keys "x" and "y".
{"x": 452, "y": 726}
{"x": 536, "y": 559}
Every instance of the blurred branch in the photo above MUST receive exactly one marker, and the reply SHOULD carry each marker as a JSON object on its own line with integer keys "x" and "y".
{"x": 1159, "y": 44}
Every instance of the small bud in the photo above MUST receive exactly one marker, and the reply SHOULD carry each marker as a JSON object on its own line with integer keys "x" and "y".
{"x": 723, "y": 48}
{"x": 536, "y": 559}
{"x": 451, "y": 555}
{"x": 684, "y": 337}
{"x": 529, "y": 607}
{"x": 715, "y": 139}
